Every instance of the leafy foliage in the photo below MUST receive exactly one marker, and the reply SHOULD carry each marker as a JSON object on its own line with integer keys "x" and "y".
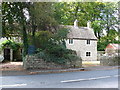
{"x": 42, "y": 39}
{"x": 57, "y": 54}
{"x": 103, "y": 16}
{"x": 104, "y": 41}
{"x": 60, "y": 35}
{"x": 11, "y": 44}
{"x": 52, "y": 47}
{"x": 38, "y": 20}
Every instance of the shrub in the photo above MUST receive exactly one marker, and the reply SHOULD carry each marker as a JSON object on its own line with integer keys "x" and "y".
{"x": 42, "y": 39}
{"x": 41, "y": 55}
{"x": 71, "y": 57}
{"x": 57, "y": 54}
{"x": 52, "y": 47}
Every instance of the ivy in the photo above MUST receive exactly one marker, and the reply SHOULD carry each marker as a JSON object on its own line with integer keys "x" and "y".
{"x": 11, "y": 44}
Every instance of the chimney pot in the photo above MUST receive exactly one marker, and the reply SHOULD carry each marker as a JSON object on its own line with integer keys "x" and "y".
{"x": 76, "y": 23}
{"x": 89, "y": 24}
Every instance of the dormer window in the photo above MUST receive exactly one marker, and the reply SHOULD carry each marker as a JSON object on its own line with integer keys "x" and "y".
{"x": 88, "y": 41}
{"x": 70, "y": 41}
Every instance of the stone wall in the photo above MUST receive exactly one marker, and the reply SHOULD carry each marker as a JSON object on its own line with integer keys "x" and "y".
{"x": 100, "y": 54}
{"x": 31, "y": 62}
{"x": 110, "y": 60}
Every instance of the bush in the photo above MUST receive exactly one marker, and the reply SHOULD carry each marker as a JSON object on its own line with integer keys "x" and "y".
{"x": 41, "y": 55}
{"x": 52, "y": 47}
{"x": 57, "y": 54}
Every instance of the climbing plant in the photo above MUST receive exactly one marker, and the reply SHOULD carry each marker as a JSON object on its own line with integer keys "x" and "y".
{"x": 11, "y": 44}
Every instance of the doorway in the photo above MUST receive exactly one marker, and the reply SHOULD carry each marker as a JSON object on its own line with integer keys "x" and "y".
{"x": 7, "y": 54}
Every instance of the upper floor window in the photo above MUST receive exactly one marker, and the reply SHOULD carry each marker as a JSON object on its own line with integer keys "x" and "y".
{"x": 70, "y": 41}
{"x": 88, "y": 54}
{"x": 88, "y": 41}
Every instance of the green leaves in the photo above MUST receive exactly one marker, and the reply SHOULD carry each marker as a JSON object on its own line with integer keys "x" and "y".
{"x": 42, "y": 39}
{"x": 41, "y": 13}
{"x": 66, "y": 13}
{"x": 11, "y": 44}
{"x": 45, "y": 16}
{"x": 13, "y": 17}
{"x": 60, "y": 35}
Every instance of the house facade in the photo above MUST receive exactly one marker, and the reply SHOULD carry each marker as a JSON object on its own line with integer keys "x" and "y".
{"x": 83, "y": 41}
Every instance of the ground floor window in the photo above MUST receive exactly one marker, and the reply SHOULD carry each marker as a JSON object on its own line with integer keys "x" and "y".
{"x": 88, "y": 53}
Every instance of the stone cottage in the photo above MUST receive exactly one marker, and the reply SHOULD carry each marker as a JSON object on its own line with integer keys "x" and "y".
{"x": 83, "y": 41}
{"x": 8, "y": 53}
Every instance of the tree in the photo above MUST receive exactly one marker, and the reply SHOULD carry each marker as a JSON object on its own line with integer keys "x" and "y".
{"x": 0, "y": 20}
{"x": 41, "y": 17}
{"x": 109, "y": 16}
{"x": 14, "y": 15}
{"x": 102, "y": 15}
{"x": 66, "y": 13}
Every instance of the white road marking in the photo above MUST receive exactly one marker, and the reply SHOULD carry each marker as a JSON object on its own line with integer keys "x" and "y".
{"x": 87, "y": 79}
{"x": 116, "y": 75}
{"x": 14, "y": 85}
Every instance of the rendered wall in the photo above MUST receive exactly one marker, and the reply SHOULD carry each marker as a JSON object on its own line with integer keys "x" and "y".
{"x": 81, "y": 47}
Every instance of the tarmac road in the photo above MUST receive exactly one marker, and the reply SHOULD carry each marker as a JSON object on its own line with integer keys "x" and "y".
{"x": 82, "y": 79}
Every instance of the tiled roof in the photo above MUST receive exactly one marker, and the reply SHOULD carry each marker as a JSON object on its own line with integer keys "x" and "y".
{"x": 114, "y": 46}
{"x": 81, "y": 32}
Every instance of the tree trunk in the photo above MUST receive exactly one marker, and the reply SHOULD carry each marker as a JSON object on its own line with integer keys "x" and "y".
{"x": 25, "y": 41}
{"x": 3, "y": 29}
{"x": 33, "y": 32}
{"x": 99, "y": 35}
{"x": 95, "y": 33}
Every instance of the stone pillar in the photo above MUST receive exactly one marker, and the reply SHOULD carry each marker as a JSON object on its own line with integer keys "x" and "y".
{"x": 11, "y": 55}
{"x": 2, "y": 52}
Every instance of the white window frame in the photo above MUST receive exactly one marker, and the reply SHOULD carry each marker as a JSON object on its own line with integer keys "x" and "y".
{"x": 70, "y": 41}
{"x": 88, "y": 42}
{"x": 88, "y": 54}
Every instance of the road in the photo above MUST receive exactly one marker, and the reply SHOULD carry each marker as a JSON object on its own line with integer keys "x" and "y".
{"x": 83, "y": 79}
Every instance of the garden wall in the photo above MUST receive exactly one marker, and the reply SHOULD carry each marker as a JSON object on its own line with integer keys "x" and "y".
{"x": 31, "y": 62}
{"x": 110, "y": 60}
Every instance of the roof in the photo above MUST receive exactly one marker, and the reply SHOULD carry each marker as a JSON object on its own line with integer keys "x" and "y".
{"x": 113, "y": 46}
{"x": 81, "y": 32}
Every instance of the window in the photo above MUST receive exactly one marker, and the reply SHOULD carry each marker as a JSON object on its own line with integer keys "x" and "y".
{"x": 88, "y": 41}
{"x": 88, "y": 53}
{"x": 70, "y": 41}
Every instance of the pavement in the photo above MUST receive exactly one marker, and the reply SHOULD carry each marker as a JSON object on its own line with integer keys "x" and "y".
{"x": 37, "y": 71}
{"x": 16, "y": 68}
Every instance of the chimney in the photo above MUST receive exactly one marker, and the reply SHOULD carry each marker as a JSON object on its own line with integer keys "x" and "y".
{"x": 89, "y": 24}
{"x": 76, "y": 23}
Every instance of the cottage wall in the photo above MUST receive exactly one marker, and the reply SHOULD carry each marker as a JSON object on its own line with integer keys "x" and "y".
{"x": 81, "y": 47}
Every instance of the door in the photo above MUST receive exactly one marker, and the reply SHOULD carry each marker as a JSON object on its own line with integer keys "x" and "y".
{"x": 6, "y": 54}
